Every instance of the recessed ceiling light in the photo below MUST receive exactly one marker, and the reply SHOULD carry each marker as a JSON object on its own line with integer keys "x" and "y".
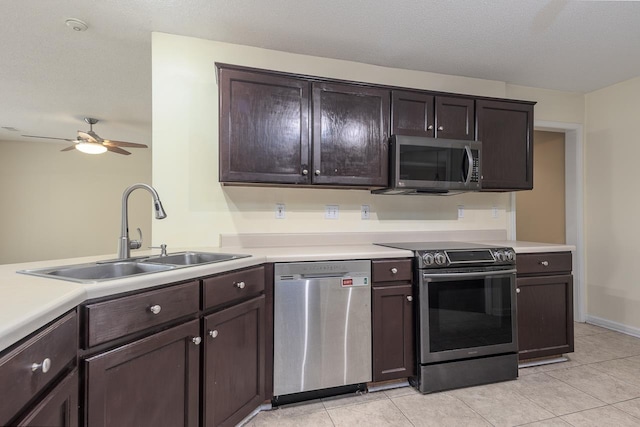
{"x": 76, "y": 24}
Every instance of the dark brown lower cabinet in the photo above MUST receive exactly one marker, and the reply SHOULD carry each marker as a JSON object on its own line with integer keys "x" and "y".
{"x": 234, "y": 363}
{"x": 545, "y": 316}
{"x": 58, "y": 408}
{"x": 393, "y": 332}
{"x": 150, "y": 382}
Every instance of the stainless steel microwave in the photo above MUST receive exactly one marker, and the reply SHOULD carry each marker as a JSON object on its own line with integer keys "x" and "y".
{"x": 420, "y": 165}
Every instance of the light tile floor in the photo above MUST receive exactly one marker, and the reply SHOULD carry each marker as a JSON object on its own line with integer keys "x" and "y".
{"x": 599, "y": 386}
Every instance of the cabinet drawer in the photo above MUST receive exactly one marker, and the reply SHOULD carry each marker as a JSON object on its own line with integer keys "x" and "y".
{"x": 392, "y": 270}
{"x": 118, "y": 317}
{"x": 234, "y": 286}
{"x": 544, "y": 263}
{"x": 54, "y": 347}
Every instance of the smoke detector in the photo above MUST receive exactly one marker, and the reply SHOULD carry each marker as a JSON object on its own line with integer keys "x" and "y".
{"x": 76, "y": 24}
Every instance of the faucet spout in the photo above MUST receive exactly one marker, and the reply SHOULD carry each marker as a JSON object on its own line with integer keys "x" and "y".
{"x": 124, "y": 244}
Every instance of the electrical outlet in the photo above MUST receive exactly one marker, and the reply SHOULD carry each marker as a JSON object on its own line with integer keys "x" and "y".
{"x": 365, "y": 211}
{"x": 460, "y": 211}
{"x": 280, "y": 212}
{"x": 494, "y": 212}
{"x": 331, "y": 211}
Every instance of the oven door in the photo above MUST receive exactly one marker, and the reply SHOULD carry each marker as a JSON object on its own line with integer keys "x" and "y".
{"x": 468, "y": 314}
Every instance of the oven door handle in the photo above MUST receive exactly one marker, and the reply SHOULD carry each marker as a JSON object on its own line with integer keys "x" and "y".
{"x": 428, "y": 276}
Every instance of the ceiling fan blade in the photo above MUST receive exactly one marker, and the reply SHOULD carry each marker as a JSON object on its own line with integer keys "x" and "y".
{"x": 48, "y": 137}
{"x": 109, "y": 142}
{"x": 117, "y": 150}
{"x": 69, "y": 148}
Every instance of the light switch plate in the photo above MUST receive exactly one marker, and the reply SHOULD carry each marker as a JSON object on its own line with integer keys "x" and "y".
{"x": 331, "y": 211}
{"x": 365, "y": 211}
{"x": 280, "y": 211}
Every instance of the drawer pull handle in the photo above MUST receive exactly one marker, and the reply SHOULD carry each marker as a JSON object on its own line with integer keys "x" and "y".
{"x": 213, "y": 333}
{"x": 239, "y": 285}
{"x": 409, "y": 298}
{"x": 394, "y": 270}
{"x": 45, "y": 365}
{"x": 544, "y": 263}
{"x": 517, "y": 290}
{"x": 155, "y": 309}
{"x": 196, "y": 340}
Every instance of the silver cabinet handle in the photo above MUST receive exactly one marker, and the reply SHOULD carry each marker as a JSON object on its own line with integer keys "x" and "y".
{"x": 45, "y": 366}
{"x": 517, "y": 290}
{"x": 196, "y": 340}
{"x": 394, "y": 270}
{"x": 213, "y": 333}
{"x": 409, "y": 298}
{"x": 317, "y": 172}
{"x": 155, "y": 309}
{"x": 430, "y": 127}
{"x": 305, "y": 172}
{"x": 544, "y": 263}
{"x": 239, "y": 285}
{"x": 440, "y": 127}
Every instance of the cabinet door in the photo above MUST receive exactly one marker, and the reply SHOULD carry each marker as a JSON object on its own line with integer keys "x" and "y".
{"x": 455, "y": 118}
{"x": 393, "y": 332}
{"x": 412, "y": 114}
{"x": 264, "y": 128}
{"x": 150, "y": 382}
{"x": 234, "y": 363}
{"x": 58, "y": 408}
{"x": 545, "y": 316}
{"x": 506, "y": 132}
{"x": 350, "y": 133}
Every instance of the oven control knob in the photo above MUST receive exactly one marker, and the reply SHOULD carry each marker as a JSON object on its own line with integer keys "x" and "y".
{"x": 428, "y": 258}
{"x": 500, "y": 256}
{"x": 511, "y": 255}
{"x": 440, "y": 258}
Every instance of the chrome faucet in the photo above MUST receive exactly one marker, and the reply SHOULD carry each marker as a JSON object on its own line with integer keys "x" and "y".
{"x": 125, "y": 245}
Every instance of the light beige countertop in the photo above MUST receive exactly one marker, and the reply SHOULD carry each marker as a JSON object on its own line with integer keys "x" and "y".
{"x": 29, "y": 302}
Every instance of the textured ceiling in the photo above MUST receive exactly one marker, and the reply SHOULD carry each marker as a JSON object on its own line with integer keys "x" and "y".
{"x": 51, "y": 77}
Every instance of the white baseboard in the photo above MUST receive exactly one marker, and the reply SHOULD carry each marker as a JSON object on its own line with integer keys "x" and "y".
{"x": 615, "y": 326}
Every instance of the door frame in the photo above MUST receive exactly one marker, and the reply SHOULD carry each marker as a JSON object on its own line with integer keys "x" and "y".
{"x": 574, "y": 205}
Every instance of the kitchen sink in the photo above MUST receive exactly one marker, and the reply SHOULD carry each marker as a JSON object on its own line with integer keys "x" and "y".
{"x": 111, "y": 270}
{"x": 193, "y": 258}
{"x": 96, "y": 272}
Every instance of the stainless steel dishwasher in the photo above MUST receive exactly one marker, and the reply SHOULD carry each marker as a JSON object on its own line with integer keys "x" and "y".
{"x": 322, "y": 325}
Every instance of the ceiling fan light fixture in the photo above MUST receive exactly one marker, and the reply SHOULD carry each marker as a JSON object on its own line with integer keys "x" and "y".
{"x": 91, "y": 147}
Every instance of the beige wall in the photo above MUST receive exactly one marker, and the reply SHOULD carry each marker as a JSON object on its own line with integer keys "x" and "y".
{"x": 185, "y": 155}
{"x": 612, "y": 203}
{"x": 540, "y": 213}
{"x": 552, "y": 105}
{"x": 66, "y": 204}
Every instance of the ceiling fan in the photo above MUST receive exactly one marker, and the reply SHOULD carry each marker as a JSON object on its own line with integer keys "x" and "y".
{"x": 89, "y": 142}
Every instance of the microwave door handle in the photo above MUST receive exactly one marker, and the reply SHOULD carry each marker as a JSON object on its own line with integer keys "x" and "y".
{"x": 470, "y": 160}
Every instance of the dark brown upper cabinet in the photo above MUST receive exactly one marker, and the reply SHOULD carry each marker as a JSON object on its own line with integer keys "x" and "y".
{"x": 423, "y": 114}
{"x": 506, "y": 131}
{"x": 350, "y": 133}
{"x": 264, "y": 128}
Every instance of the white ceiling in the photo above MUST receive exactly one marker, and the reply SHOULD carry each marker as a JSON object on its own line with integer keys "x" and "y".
{"x": 51, "y": 76}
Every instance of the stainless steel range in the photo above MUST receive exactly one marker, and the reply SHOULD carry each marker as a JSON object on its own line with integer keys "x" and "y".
{"x": 466, "y": 316}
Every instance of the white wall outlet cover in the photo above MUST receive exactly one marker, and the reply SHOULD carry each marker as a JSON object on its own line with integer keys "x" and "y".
{"x": 460, "y": 211}
{"x": 280, "y": 211}
{"x": 494, "y": 212}
{"x": 331, "y": 211}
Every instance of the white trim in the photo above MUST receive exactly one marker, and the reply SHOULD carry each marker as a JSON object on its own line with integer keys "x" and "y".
{"x": 614, "y": 326}
{"x": 574, "y": 205}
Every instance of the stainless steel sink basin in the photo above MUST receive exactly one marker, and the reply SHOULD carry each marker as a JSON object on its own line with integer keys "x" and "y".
{"x": 193, "y": 258}
{"x": 95, "y": 272}
{"x": 110, "y": 270}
